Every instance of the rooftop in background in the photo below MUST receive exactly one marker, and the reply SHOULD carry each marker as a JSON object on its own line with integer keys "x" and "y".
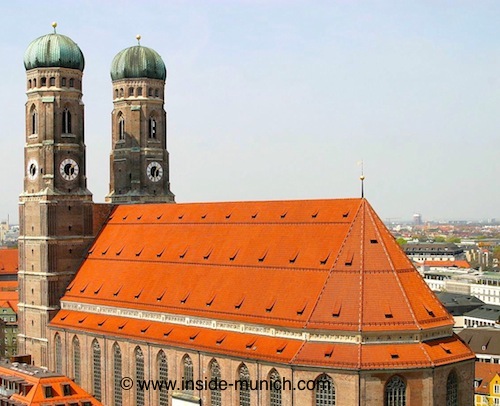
{"x": 23, "y": 384}
{"x": 458, "y": 304}
{"x": 485, "y": 372}
{"x": 487, "y": 312}
{"x": 8, "y": 264}
{"x": 482, "y": 340}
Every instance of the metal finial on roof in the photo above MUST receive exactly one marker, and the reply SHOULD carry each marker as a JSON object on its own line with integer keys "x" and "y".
{"x": 362, "y": 179}
{"x": 138, "y": 37}
{"x": 54, "y": 25}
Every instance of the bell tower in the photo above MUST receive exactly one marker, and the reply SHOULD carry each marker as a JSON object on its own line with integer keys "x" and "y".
{"x": 55, "y": 207}
{"x": 139, "y": 170}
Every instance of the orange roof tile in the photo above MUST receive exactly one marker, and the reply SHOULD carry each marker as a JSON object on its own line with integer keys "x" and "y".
{"x": 314, "y": 265}
{"x": 484, "y": 374}
{"x": 9, "y": 260}
{"x": 448, "y": 264}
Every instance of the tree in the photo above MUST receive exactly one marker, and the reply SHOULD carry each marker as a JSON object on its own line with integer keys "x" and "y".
{"x": 401, "y": 241}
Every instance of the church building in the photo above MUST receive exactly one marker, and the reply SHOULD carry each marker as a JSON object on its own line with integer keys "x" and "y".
{"x": 304, "y": 302}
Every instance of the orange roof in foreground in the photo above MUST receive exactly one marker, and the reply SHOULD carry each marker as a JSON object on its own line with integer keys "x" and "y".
{"x": 9, "y": 260}
{"x": 315, "y": 265}
{"x": 31, "y": 387}
{"x": 485, "y": 372}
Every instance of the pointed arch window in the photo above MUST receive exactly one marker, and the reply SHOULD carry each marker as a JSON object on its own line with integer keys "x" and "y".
{"x": 66, "y": 122}
{"x": 58, "y": 353}
{"x": 395, "y": 392}
{"x": 150, "y": 92}
{"x": 157, "y": 93}
{"x": 139, "y": 91}
{"x": 139, "y": 376}
{"x": 130, "y": 91}
{"x": 325, "y": 391}
{"x": 452, "y": 389}
{"x": 244, "y": 377}
{"x": 72, "y": 82}
{"x": 163, "y": 377}
{"x": 43, "y": 81}
{"x": 152, "y": 127}
{"x": 34, "y": 121}
{"x": 52, "y": 81}
{"x": 215, "y": 394}
{"x": 121, "y": 128}
{"x": 188, "y": 382}
{"x": 117, "y": 374}
{"x": 274, "y": 388}
{"x": 96, "y": 369}
{"x": 76, "y": 361}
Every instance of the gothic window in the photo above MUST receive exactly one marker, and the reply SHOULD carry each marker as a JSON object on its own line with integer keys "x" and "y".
{"x": 244, "y": 378}
{"x": 139, "y": 376}
{"x": 76, "y": 360}
{"x": 58, "y": 353}
{"x": 452, "y": 389}
{"x": 63, "y": 82}
{"x": 395, "y": 392}
{"x": 139, "y": 91}
{"x": 34, "y": 82}
{"x": 52, "y": 81}
{"x": 152, "y": 127}
{"x": 121, "y": 92}
{"x": 150, "y": 92}
{"x": 215, "y": 394}
{"x": 96, "y": 369}
{"x": 130, "y": 91}
{"x": 188, "y": 382}
{"x": 121, "y": 128}
{"x": 163, "y": 377}
{"x": 116, "y": 93}
{"x": 34, "y": 121}
{"x": 274, "y": 388}
{"x": 157, "y": 93}
{"x": 66, "y": 122}
{"x": 325, "y": 391}
{"x": 43, "y": 82}
{"x": 72, "y": 82}
{"x": 29, "y": 84}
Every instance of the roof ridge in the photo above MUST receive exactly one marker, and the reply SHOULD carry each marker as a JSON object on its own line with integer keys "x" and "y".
{"x": 330, "y": 272}
{"x": 389, "y": 259}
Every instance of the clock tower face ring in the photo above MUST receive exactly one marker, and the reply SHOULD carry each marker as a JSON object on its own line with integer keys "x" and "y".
{"x": 69, "y": 169}
{"x": 154, "y": 171}
{"x": 32, "y": 169}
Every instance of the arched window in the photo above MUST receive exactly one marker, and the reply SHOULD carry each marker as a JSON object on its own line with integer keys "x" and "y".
{"x": 34, "y": 121}
{"x": 395, "y": 392}
{"x": 116, "y": 93}
{"x": 63, "y": 82}
{"x": 72, "y": 82}
{"x": 121, "y": 92}
{"x": 58, "y": 353}
{"x": 150, "y": 92}
{"x": 52, "y": 81}
{"x": 34, "y": 82}
{"x": 117, "y": 374}
{"x": 130, "y": 91}
{"x": 157, "y": 93}
{"x": 139, "y": 376}
{"x": 139, "y": 91}
{"x": 163, "y": 377}
{"x": 325, "y": 391}
{"x": 76, "y": 360}
{"x": 66, "y": 122}
{"x": 29, "y": 84}
{"x": 188, "y": 382}
{"x": 244, "y": 378}
{"x": 215, "y": 394}
{"x": 121, "y": 128}
{"x": 96, "y": 369}
{"x": 452, "y": 389}
{"x": 152, "y": 127}
{"x": 274, "y": 388}
{"x": 44, "y": 81}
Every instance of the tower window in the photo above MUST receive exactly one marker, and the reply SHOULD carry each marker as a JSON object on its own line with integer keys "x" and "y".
{"x": 121, "y": 92}
{"x": 152, "y": 127}
{"x": 66, "y": 122}
{"x": 121, "y": 128}
{"x": 63, "y": 82}
{"x": 116, "y": 93}
{"x": 34, "y": 82}
{"x": 29, "y": 84}
{"x": 139, "y": 91}
{"x": 157, "y": 93}
{"x": 130, "y": 91}
{"x": 52, "y": 81}
{"x": 72, "y": 82}
{"x": 34, "y": 122}
{"x": 150, "y": 92}
{"x": 44, "y": 81}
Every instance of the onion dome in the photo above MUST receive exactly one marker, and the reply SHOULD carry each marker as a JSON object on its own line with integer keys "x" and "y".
{"x": 54, "y": 51}
{"x": 138, "y": 62}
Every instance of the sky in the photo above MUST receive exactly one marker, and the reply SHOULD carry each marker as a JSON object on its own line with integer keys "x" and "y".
{"x": 273, "y": 100}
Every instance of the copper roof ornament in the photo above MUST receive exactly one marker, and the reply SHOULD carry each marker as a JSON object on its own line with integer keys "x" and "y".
{"x": 54, "y": 25}
{"x": 138, "y": 38}
{"x": 362, "y": 179}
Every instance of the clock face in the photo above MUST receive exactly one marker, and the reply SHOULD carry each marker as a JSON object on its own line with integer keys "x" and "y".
{"x": 32, "y": 169}
{"x": 154, "y": 171}
{"x": 69, "y": 169}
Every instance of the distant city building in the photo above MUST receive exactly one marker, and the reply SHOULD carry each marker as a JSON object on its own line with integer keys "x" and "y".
{"x": 484, "y": 341}
{"x": 486, "y": 315}
{"x": 417, "y": 219}
{"x": 458, "y": 304}
{"x": 420, "y": 252}
{"x": 487, "y": 385}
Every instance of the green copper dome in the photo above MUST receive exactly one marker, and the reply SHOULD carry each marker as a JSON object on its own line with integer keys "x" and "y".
{"x": 138, "y": 62}
{"x": 54, "y": 51}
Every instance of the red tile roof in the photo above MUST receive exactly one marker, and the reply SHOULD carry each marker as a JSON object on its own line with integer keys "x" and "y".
{"x": 9, "y": 260}
{"x": 314, "y": 265}
{"x": 448, "y": 264}
{"x": 485, "y": 372}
